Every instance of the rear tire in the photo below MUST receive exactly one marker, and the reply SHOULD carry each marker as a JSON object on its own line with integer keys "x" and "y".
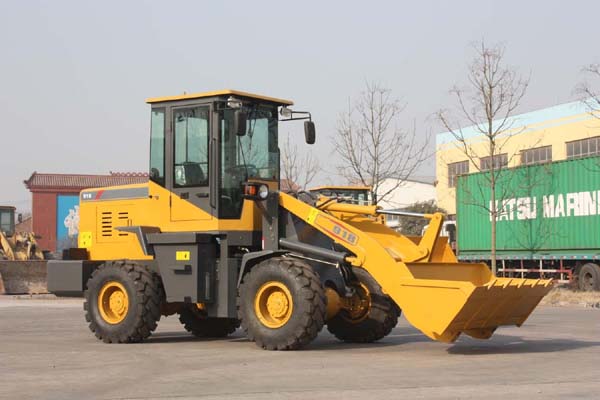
{"x": 281, "y": 304}
{"x": 376, "y": 323}
{"x": 122, "y": 302}
{"x": 204, "y": 327}
{"x": 589, "y": 278}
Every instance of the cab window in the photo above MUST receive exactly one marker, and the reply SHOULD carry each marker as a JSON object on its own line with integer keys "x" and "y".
{"x": 157, "y": 147}
{"x": 191, "y": 133}
{"x": 252, "y": 156}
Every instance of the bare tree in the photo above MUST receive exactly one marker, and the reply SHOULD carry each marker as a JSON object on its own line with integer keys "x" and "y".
{"x": 414, "y": 226}
{"x": 296, "y": 168}
{"x": 372, "y": 146}
{"x": 591, "y": 96}
{"x": 494, "y": 93}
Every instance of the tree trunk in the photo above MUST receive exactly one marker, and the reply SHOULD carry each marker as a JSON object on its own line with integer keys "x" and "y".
{"x": 494, "y": 208}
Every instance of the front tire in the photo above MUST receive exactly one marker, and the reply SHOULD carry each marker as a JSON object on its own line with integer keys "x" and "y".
{"x": 372, "y": 317}
{"x": 122, "y": 302}
{"x": 281, "y": 304}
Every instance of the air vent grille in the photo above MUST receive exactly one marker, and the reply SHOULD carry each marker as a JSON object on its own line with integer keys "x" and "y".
{"x": 106, "y": 223}
{"x": 123, "y": 217}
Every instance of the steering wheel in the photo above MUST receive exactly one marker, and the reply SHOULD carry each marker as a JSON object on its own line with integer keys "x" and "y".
{"x": 238, "y": 172}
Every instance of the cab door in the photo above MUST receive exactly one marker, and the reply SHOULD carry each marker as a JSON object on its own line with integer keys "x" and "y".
{"x": 190, "y": 191}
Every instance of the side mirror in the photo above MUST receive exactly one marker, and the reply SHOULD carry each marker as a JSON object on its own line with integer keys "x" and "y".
{"x": 239, "y": 122}
{"x": 309, "y": 132}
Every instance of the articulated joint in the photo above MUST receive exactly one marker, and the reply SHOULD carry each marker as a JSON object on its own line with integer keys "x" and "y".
{"x": 356, "y": 305}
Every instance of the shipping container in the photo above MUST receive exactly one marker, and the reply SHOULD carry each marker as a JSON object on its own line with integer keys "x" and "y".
{"x": 548, "y": 222}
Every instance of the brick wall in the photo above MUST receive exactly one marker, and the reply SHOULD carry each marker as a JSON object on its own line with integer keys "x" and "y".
{"x": 44, "y": 219}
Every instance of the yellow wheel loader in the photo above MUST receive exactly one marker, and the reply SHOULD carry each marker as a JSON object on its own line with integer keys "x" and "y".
{"x": 211, "y": 238}
{"x": 16, "y": 246}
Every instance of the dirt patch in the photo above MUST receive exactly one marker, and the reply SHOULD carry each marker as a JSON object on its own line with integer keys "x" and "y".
{"x": 561, "y": 297}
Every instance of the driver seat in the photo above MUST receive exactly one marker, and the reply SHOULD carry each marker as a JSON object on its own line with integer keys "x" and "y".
{"x": 194, "y": 176}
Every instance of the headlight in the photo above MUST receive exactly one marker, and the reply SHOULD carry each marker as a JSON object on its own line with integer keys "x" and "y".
{"x": 255, "y": 191}
{"x": 263, "y": 192}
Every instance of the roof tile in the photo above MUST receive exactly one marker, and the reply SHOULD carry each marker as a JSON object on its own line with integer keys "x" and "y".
{"x": 79, "y": 182}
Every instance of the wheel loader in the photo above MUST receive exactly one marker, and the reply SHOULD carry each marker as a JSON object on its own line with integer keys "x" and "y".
{"x": 212, "y": 239}
{"x": 16, "y": 246}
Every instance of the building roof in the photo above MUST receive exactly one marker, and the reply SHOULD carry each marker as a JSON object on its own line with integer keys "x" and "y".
{"x": 532, "y": 121}
{"x": 338, "y": 187}
{"x": 425, "y": 180}
{"x": 286, "y": 185}
{"x": 219, "y": 93}
{"x": 24, "y": 226}
{"x": 79, "y": 182}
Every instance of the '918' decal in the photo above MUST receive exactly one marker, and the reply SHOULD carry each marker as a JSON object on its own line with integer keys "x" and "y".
{"x": 344, "y": 234}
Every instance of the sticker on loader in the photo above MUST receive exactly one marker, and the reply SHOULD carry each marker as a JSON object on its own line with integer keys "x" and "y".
{"x": 336, "y": 230}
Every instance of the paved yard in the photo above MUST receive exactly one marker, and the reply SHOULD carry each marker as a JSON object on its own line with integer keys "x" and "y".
{"x": 47, "y": 351}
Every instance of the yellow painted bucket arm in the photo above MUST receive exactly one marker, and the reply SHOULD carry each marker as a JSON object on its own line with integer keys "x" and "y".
{"x": 6, "y": 247}
{"x": 438, "y": 295}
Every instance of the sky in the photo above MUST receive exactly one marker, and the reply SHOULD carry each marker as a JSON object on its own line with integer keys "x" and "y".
{"x": 74, "y": 74}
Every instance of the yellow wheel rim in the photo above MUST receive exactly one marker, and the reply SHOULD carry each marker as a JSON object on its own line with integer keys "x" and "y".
{"x": 359, "y": 305}
{"x": 113, "y": 302}
{"x": 273, "y": 304}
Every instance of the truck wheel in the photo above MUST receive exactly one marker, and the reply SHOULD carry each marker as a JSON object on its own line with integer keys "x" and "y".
{"x": 589, "y": 277}
{"x": 201, "y": 326}
{"x": 372, "y": 315}
{"x": 281, "y": 304}
{"x": 122, "y": 302}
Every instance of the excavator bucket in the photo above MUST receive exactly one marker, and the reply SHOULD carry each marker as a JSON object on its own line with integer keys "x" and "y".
{"x": 438, "y": 295}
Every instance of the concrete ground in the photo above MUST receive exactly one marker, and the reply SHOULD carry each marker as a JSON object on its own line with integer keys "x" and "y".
{"x": 47, "y": 351}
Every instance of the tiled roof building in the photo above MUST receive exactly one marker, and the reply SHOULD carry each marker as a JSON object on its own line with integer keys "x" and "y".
{"x": 39, "y": 181}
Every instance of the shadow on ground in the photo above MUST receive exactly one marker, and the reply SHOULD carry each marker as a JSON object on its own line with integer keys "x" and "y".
{"x": 498, "y": 344}
{"x": 505, "y": 344}
{"x": 177, "y": 337}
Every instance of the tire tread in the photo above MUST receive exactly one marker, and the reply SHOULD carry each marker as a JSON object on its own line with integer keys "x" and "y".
{"x": 311, "y": 293}
{"x": 147, "y": 299}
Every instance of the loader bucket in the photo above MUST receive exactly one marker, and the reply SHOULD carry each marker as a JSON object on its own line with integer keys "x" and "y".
{"x": 439, "y": 295}
{"x": 444, "y": 300}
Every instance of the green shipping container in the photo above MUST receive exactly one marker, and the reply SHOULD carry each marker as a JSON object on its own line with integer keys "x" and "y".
{"x": 547, "y": 211}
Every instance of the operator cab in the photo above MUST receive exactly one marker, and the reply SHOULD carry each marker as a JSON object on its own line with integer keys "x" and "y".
{"x": 360, "y": 195}
{"x": 206, "y": 147}
{"x": 7, "y": 220}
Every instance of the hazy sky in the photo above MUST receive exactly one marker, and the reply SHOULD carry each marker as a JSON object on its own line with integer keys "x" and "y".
{"x": 74, "y": 74}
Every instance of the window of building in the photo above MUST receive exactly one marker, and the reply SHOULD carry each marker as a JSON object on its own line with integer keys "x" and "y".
{"x": 500, "y": 161}
{"x": 456, "y": 169}
{"x": 583, "y": 147}
{"x": 537, "y": 155}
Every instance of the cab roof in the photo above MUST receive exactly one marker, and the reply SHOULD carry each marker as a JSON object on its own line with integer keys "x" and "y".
{"x": 225, "y": 92}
